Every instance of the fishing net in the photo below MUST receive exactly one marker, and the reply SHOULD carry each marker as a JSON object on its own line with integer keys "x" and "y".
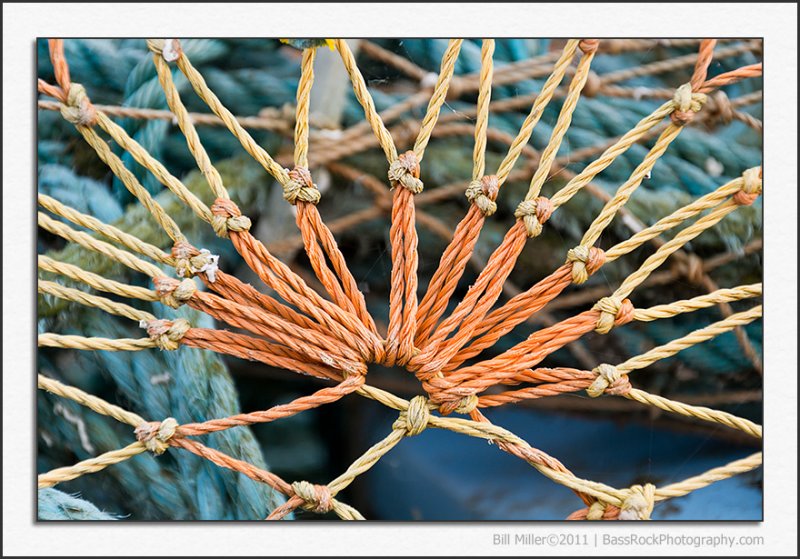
{"x": 319, "y": 325}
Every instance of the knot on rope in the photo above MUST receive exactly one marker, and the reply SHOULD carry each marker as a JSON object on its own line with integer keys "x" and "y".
{"x": 174, "y": 293}
{"x": 534, "y": 213}
{"x": 404, "y": 171}
{"x": 685, "y": 104}
{"x": 227, "y": 217}
{"x": 169, "y": 49}
{"x": 483, "y": 193}
{"x": 317, "y": 497}
{"x": 429, "y": 80}
{"x": 638, "y": 505}
{"x": 300, "y": 187}
{"x": 414, "y": 419}
{"x": 189, "y": 261}
{"x": 464, "y": 406}
{"x": 613, "y": 312}
{"x": 719, "y": 107}
{"x": 78, "y": 109}
{"x": 166, "y": 333}
{"x": 593, "y": 84}
{"x": 585, "y": 262}
{"x": 751, "y": 188}
{"x": 156, "y": 434}
{"x": 609, "y": 380}
{"x": 596, "y": 511}
{"x": 588, "y": 46}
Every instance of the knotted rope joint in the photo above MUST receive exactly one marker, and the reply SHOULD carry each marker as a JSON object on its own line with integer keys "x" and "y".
{"x": 751, "y": 189}
{"x": 317, "y": 498}
{"x": 464, "y": 406}
{"x": 166, "y": 333}
{"x": 404, "y": 171}
{"x": 226, "y": 217}
{"x": 300, "y": 187}
{"x": 156, "y": 435}
{"x": 639, "y": 503}
{"x": 174, "y": 293}
{"x": 585, "y": 262}
{"x": 534, "y": 213}
{"x": 613, "y": 312}
{"x": 686, "y": 103}
{"x": 78, "y": 109}
{"x": 588, "y": 46}
{"x": 609, "y": 381}
{"x": 483, "y": 194}
{"x": 189, "y": 261}
{"x": 169, "y": 49}
{"x": 414, "y": 419}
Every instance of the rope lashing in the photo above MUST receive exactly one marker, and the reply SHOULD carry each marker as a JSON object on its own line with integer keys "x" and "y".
{"x": 751, "y": 189}
{"x": 613, "y": 312}
{"x": 317, "y": 498}
{"x": 464, "y": 406}
{"x": 227, "y": 217}
{"x": 686, "y": 103}
{"x": 414, "y": 419}
{"x": 166, "y": 333}
{"x": 78, "y": 109}
{"x": 404, "y": 171}
{"x": 639, "y": 503}
{"x": 169, "y": 49}
{"x": 156, "y": 435}
{"x": 483, "y": 194}
{"x": 588, "y": 46}
{"x": 300, "y": 187}
{"x": 585, "y": 262}
{"x": 596, "y": 511}
{"x": 189, "y": 261}
{"x": 609, "y": 381}
{"x": 534, "y": 213}
{"x": 174, "y": 293}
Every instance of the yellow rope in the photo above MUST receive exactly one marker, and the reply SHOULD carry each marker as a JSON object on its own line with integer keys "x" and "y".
{"x": 701, "y": 302}
{"x": 77, "y": 296}
{"x": 94, "y": 280}
{"x": 482, "y": 120}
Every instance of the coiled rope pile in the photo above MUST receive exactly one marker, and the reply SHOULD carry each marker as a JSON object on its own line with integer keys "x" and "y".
{"x": 334, "y": 337}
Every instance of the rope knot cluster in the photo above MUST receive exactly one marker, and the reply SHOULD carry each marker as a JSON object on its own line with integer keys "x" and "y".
{"x": 404, "y": 171}
{"x": 686, "y": 103}
{"x": 585, "y": 262}
{"x": 534, "y": 213}
{"x": 169, "y": 49}
{"x": 300, "y": 187}
{"x": 751, "y": 189}
{"x": 78, "y": 109}
{"x": 317, "y": 497}
{"x": 609, "y": 380}
{"x": 189, "y": 261}
{"x": 156, "y": 435}
{"x": 613, "y": 312}
{"x": 227, "y": 217}
{"x": 588, "y": 46}
{"x": 174, "y": 293}
{"x": 414, "y": 419}
{"x": 483, "y": 194}
{"x": 166, "y": 333}
{"x": 639, "y": 503}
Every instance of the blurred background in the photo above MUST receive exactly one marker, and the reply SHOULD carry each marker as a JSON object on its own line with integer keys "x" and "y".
{"x": 437, "y": 475}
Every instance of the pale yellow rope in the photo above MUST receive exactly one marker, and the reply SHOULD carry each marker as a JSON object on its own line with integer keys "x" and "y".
{"x": 89, "y": 400}
{"x": 303, "y": 108}
{"x": 365, "y": 99}
{"x": 438, "y": 96}
{"x": 109, "y": 231}
{"x": 703, "y": 301}
{"x": 90, "y": 466}
{"x": 146, "y": 160}
{"x": 94, "y": 280}
{"x": 64, "y": 341}
{"x": 698, "y": 336}
{"x": 562, "y": 125}
{"x": 548, "y": 89}
{"x": 482, "y": 117}
{"x": 77, "y": 296}
{"x": 703, "y": 480}
{"x": 87, "y": 241}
